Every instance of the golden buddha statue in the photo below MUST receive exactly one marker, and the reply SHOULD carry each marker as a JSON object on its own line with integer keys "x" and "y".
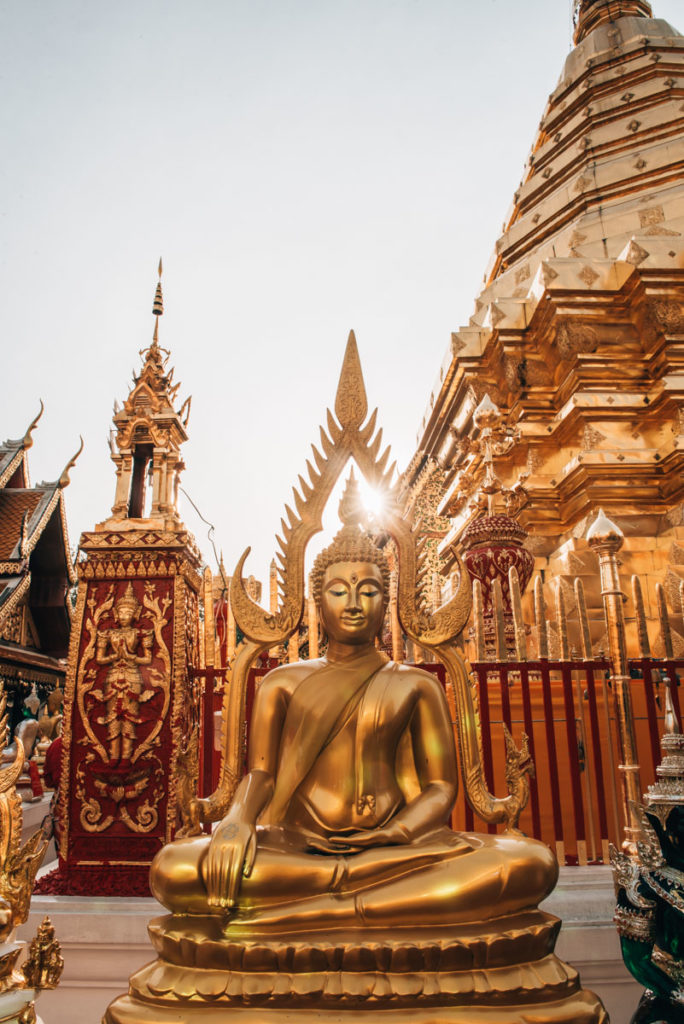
{"x": 332, "y": 885}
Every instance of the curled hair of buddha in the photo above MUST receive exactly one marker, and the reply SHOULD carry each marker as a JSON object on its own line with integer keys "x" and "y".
{"x": 353, "y": 543}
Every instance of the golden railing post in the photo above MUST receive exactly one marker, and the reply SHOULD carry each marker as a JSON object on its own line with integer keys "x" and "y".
{"x": 638, "y": 598}
{"x": 540, "y": 619}
{"x": 606, "y": 539}
{"x": 665, "y": 630}
{"x": 562, "y": 620}
{"x": 478, "y": 621}
{"x": 518, "y": 621}
{"x": 499, "y": 623}
{"x": 585, "y": 634}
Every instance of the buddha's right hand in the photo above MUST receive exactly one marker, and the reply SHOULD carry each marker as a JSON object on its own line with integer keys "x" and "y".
{"x": 230, "y": 857}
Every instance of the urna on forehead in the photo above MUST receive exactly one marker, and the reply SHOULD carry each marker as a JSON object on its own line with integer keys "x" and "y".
{"x": 353, "y": 572}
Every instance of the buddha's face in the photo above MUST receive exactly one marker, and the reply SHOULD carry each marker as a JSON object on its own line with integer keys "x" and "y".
{"x": 352, "y": 605}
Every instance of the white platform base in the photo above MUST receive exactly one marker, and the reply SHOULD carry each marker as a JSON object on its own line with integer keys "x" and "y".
{"x": 105, "y": 940}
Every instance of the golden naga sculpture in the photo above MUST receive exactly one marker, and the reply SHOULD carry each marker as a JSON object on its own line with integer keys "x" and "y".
{"x": 18, "y": 866}
{"x": 333, "y": 888}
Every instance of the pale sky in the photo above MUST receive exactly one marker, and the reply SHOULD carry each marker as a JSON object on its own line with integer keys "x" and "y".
{"x": 303, "y": 166}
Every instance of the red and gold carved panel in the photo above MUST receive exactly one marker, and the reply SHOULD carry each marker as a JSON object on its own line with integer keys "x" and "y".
{"x": 129, "y": 713}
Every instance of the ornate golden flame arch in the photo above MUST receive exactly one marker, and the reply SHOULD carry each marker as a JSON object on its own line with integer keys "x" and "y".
{"x": 352, "y": 436}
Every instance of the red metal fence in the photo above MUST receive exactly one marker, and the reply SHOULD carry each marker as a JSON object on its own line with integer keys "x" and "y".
{"x": 567, "y": 710}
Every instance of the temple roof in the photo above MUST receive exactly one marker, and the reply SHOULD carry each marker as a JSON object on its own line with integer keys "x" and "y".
{"x": 17, "y": 511}
{"x": 35, "y": 563}
{"x": 602, "y": 192}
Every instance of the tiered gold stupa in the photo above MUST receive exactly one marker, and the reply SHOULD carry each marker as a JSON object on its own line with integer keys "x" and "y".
{"x": 577, "y": 334}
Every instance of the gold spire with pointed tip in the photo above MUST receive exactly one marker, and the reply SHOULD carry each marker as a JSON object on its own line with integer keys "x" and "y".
{"x": 589, "y": 14}
{"x": 158, "y": 305}
{"x": 351, "y": 404}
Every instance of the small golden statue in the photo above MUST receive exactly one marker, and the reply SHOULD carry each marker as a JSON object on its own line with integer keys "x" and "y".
{"x": 333, "y": 888}
{"x": 18, "y": 866}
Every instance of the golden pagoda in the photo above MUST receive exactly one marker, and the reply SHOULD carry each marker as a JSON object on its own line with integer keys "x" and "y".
{"x": 131, "y": 726}
{"x": 577, "y": 335}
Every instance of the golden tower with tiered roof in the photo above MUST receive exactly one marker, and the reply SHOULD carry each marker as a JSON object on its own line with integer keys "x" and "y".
{"x": 578, "y": 334}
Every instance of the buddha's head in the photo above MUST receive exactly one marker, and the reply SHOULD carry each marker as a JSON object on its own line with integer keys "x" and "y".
{"x": 351, "y": 578}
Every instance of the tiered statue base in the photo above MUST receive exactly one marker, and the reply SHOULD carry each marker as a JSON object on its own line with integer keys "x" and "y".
{"x": 501, "y": 972}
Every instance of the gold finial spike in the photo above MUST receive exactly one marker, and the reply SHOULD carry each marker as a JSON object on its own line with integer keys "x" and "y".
{"x": 540, "y": 618}
{"x": 351, "y": 404}
{"x": 158, "y": 305}
{"x": 27, "y": 440}
{"x": 518, "y": 621}
{"x": 670, "y": 722}
{"x": 478, "y": 618}
{"x": 562, "y": 624}
{"x": 64, "y": 479}
{"x": 499, "y": 621}
{"x": 583, "y": 619}
{"x": 638, "y": 597}
{"x": 664, "y": 621}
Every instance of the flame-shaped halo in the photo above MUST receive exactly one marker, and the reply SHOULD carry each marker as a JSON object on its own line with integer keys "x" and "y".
{"x": 347, "y": 437}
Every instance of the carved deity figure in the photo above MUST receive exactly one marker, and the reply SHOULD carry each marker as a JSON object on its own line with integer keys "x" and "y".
{"x": 124, "y": 648}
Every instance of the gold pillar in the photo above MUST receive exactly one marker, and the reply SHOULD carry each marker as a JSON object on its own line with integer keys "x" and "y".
{"x": 209, "y": 628}
{"x": 312, "y": 622}
{"x": 397, "y": 640}
{"x": 606, "y": 539}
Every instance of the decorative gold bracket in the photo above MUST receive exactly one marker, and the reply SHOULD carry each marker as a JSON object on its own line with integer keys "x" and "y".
{"x": 349, "y": 437}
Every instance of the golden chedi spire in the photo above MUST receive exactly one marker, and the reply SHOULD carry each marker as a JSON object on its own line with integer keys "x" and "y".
{"x": 149, "y": 431}
{"x": 589, "y": 14}
{"x": 583, "y": 282}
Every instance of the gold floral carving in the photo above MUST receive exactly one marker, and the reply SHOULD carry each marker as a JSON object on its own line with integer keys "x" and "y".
{"x": 345, "y": 438}
{"x": 186, "y": 717}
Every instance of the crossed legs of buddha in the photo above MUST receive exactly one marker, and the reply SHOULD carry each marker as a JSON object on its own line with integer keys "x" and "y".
{"x": 439, "y": 880}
